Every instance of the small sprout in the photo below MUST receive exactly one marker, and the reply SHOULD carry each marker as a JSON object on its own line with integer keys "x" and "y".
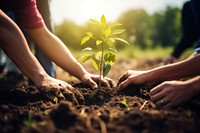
{"x": 55, "y": 100}
{"x": 105, "y": 56}
{"x": 29, "y": 122}
{"x": 46, "y": 112}
{"x": 22, "y": 86}
{"x": 123, "y": 103}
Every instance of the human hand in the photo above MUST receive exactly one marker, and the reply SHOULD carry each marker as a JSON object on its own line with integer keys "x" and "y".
{"x": 130, "y": 77}
{"x": 92, "y": 80}
{"x": 171, "y": 93}
{"x": 170, "y": 60}
{"x": 56, "y": 88}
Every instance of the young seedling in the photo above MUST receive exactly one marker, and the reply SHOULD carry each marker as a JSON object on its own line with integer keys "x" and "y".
{"x": 105, "y": 56}
{"x": 55, "y": 100}
{"x": 124, "y": 103}
{"x": 29, "y": 122}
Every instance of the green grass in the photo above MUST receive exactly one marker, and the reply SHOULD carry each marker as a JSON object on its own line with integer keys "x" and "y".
{"x": 150, "y": 53}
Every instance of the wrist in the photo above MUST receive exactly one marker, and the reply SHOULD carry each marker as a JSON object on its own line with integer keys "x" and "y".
{"x": 81, "y": 72}
{"x": 151, "y": 77}
{"x": 195, "y": 86}
{"x": 39, "y": 77}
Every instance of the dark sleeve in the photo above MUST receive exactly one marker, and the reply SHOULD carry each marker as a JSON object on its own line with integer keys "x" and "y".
{"x": 196, "y": 9}
{"x": 182, "y": 46}
{"x": 189, "y": 30}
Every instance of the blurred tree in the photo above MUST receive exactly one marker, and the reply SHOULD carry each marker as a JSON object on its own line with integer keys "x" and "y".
{"x": 137, "y": 26}
{"x": 167, "y": 26}
{"x": 70, "y": 34}
{"x": 142, "y": 29}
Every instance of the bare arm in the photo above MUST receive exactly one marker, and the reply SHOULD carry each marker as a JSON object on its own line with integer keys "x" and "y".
{"x": 15, "y": 46}
{"x": 55, "y": 49}
{"x": 186, "y": 68}
{"x": 182, "y": 69}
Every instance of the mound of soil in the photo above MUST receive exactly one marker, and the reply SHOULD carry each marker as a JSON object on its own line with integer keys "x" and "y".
{"x": 24, "y": 109}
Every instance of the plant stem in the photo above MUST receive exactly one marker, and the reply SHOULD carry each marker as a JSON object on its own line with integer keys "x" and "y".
{"x": 101, "y": 66}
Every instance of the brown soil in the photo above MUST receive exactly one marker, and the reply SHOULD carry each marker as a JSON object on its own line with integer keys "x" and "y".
{"x": 24, "y": 109}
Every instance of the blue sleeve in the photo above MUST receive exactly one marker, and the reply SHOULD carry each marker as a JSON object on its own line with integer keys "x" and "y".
{"x": 197, "y": 47}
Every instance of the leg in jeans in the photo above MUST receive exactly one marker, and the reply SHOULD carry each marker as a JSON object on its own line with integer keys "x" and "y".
{"x": 43, "y": 7}
{"x": 189, "y": 30}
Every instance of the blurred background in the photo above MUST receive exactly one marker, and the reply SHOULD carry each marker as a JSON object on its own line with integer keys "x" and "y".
{"x": 153, "y": 27}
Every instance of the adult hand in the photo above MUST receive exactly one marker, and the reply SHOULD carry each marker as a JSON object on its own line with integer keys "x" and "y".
{"x": 92, "y": 80}
{"x": 131, "y": 77}
{"x": 56, "y": 88}
{"x": 171, "y": 93}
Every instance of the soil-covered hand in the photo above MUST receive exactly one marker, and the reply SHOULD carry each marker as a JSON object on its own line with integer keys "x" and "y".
{"x": 92, "y": 80}
{"x": 172, "y": 93}
{"x": 130, "y": 77}
{"x": 56, "y": 88}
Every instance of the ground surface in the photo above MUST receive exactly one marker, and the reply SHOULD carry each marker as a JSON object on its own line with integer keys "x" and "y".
{"x": 24, "y": 109}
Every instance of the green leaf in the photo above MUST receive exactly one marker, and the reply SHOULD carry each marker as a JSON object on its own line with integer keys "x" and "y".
{"x": 115, "y": 24}
{"x": 98, "y": 54}
{"x": 110, "y": 58}
{"x": 90, "y": 34}
{"x": 85, "y": 39}
{"x": 87, "y": 49}
{"x": 124, "y": 103}
{"x": 122, "y": 40}
{"x": 85, "y": 58}
{"x": 107, "y": 31}
{"x": 103, "y": 20}
{"x": 96, "y": 22}
{"x": 95, "y": 63}
{"x": 119, "y": 31}
{"x": 106, "y": 69}
{"x": 55, "y": 100}
{"x": 98, "y": 42}
{"x": 112, "y": 49}
{"x": 112, "y": 40}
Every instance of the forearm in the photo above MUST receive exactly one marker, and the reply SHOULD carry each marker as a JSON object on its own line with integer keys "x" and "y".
{"x": 63, "y": 58}
{"x": 194, "y": 84}
{"x": 17, "y": 49}
{"x": 186, "y": 68}
{"x": 55, "y": 49}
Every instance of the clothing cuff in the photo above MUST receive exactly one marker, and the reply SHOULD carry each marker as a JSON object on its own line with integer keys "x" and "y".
{"x": 197, "y": 48}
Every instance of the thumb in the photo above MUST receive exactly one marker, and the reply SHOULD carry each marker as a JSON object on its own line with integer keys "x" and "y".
{"x": 92, "y": 84}
{"x": 123, "y": 85}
